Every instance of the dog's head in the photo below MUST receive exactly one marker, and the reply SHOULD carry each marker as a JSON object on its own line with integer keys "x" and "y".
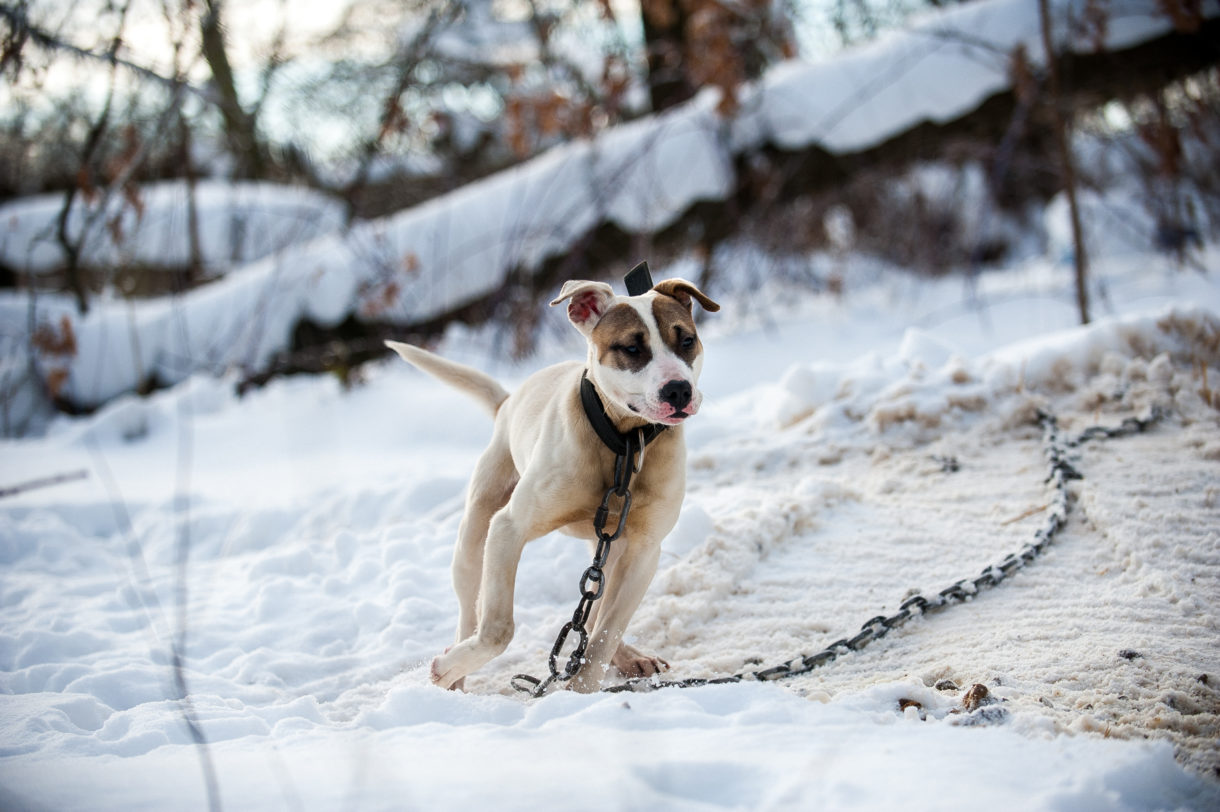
{"x": 644, "y": 353}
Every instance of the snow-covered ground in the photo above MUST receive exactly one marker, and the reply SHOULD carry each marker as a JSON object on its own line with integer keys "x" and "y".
{"x": 293, "y": 546}
{"x": 299, "y": 539}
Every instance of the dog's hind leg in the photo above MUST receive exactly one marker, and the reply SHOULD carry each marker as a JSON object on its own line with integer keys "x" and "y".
{"x": 627, "y": 578}
{"x": 489, "y": 490}
{"x": 490, "y": 487}
{"x": 629, "y": 660}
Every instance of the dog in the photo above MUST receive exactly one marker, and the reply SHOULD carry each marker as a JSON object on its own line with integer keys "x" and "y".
{"x": 546, "y": 469}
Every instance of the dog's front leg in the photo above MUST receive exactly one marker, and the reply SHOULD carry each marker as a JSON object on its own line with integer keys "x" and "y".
{"x": 632, "y": 566}
{"x": 505, "y": 541}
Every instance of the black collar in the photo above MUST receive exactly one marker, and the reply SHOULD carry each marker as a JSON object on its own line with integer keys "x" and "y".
{"x": 614, "y": 439}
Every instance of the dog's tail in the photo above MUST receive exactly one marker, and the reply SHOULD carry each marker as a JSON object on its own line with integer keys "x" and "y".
{"x": 479, "y": 385}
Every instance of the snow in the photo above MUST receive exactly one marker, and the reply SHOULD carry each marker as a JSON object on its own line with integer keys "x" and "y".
{"x": 292, "y": 545}
{"x": 722, "y": 747}
{"x": 237, "y": 223}
{"x": 935, "y": 70}
{"x": 319, "y": 522}
{"x": 415, "y": 265}
{"x": 655, "y": 168}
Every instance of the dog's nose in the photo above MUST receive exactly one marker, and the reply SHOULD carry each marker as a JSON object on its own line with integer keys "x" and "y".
{"x": 676, "y": 394}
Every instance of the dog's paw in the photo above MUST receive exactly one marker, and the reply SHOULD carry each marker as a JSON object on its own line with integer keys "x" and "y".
{"x": 439, "y": 675}
{"x": 631, "y": 663}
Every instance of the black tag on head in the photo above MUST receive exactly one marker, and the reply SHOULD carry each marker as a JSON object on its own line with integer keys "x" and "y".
{"x": 638, "y": 280}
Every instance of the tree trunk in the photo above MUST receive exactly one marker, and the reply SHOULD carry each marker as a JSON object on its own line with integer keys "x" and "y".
{"x": 239, "y": 126}
{"x": 665, "y": 45}
{"x": 1067, "y": 162}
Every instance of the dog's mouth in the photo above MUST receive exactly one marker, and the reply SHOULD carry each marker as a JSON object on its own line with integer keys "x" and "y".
{"x": 672, "y": 418}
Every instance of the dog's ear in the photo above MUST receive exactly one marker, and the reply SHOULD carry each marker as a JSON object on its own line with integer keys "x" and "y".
{"x": 683, "y": 291}
{"x": 589, "y": 302}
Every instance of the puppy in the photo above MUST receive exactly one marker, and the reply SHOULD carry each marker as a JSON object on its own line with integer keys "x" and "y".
{"x": 547, "y": 469}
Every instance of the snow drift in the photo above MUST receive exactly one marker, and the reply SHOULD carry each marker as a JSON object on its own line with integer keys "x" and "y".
{"x": 236, "y": 223}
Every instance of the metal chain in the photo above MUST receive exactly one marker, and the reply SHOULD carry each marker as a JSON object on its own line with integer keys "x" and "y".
{"x": 1061, "y": 471}
{"x": 593, "y": 580}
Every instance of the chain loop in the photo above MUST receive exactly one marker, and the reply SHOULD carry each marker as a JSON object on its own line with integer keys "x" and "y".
{"x": 603, "y": 514}
{"x": 597, "y": 576}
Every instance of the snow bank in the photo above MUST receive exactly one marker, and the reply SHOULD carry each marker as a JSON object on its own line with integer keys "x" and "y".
{"x": 927, "y": 380}
{"x": 236, "y": 223}
{"x": 941, "y": 67}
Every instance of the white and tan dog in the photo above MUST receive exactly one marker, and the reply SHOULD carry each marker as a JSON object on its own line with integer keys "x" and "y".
{"x": 546, "y": 469}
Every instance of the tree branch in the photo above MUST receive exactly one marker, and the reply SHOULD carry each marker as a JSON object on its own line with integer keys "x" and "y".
{"x": 24, "y": 30}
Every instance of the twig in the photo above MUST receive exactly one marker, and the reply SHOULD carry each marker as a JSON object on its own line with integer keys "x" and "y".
{"x": 44, "y": 482}
{"x": 1026, "y": 514}
{"x": 16, "y": 18}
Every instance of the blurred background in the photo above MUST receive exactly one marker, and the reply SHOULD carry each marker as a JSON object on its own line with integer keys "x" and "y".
{"x": 305, "y": 178}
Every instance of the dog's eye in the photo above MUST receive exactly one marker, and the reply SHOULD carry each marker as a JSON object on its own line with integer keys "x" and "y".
{"x": 631, "y": 349}
{"x": 688, "y": 343}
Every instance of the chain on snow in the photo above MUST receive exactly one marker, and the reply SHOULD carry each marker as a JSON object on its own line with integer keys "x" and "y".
{"x": 1061, "y": 471}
